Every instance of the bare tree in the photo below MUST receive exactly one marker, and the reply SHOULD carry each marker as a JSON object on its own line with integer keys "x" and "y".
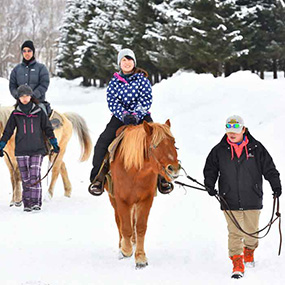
{"x": 13, "y": 19}
{"x": 37, "y": 20}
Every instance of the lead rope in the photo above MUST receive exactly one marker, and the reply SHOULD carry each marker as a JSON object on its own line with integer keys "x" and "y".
{"x": 230, "y": 214}
{"x": 38, "y": 181}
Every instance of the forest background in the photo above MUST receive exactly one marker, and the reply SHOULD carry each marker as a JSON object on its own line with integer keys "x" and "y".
{"x": 81, "y": 38}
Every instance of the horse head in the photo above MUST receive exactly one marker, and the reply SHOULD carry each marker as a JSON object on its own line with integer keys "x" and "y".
{"x": 161, "y": 149}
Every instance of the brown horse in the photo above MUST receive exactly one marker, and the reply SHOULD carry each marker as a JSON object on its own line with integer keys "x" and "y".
{"x": 145, "y": 152}
{"x": 67, "y": 122}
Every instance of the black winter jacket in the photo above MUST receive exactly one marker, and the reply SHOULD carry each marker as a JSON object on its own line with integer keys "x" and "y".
{"x": 30, "y": 129}
{"x": 240, "y": 179}
{"x": 35, "y": 75}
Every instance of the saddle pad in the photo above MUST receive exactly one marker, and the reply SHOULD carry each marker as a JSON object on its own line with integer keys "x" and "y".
{"x": 56, "y": 120}
{"x": 114, "y": 145}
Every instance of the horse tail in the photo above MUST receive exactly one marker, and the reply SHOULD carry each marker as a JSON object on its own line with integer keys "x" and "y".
{"x": 81, "y": 129}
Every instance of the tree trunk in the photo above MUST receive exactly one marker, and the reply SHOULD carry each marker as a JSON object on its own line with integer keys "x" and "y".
{"x": 262, "y": 74}
{"x": 275, "y": 69}
{"x": 102, "y": 83}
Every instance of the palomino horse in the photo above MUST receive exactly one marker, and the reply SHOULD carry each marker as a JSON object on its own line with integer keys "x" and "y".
{"x": 67, "y": 122}
{"x": 145, "y": 152}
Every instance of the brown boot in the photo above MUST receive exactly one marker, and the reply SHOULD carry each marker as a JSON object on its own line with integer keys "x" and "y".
{"x": 96, "y": 188}
{"x": 248, "y": 257}
{"x": 238, "y": 266}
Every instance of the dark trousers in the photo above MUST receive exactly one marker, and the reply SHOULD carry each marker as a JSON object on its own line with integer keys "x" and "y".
{"x": 104, "y": 141}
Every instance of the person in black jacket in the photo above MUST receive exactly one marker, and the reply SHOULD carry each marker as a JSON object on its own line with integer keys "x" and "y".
{"x": 31, "y": 124}
{"x": 239, "y": 162}
{"x": 31, "y": 73}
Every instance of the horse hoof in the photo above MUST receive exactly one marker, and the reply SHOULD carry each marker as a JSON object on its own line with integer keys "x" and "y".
{"x": 12, "y": 204}
{"x": 141, "y": 265}
{"x": 123, "y": 256}
{"x": 48, "y": 197}
{"x": 18, "y": 204}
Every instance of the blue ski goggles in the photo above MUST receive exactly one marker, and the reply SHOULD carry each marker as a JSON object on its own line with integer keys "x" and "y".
{"x": 234, "y": 126}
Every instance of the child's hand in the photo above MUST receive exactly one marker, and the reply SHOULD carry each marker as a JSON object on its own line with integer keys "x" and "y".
{"x": 53, "y": 142}
{"x": 2, "y": 145}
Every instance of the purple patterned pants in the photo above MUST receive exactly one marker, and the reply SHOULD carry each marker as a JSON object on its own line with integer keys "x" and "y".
{"x": 30, "y": 169}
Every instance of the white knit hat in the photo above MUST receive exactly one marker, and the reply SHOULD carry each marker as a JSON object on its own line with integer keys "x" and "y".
{"x": 236, "y": 124}
{"x": 126, "y": 52}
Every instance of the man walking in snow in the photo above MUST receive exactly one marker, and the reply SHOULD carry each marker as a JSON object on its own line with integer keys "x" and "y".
{"x": 31, "y": 73}
{"x": 240, "y": 161}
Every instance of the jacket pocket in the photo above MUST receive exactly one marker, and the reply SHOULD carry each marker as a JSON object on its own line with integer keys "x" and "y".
{"x": 257, "y": 190}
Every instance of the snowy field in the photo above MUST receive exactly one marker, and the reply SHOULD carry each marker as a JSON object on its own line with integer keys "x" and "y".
{"x": 75, "y": 240}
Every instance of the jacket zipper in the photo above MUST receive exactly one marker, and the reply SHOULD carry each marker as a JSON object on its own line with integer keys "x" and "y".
{"x": 32, "y": 126}
{"x": 25, "y": 130}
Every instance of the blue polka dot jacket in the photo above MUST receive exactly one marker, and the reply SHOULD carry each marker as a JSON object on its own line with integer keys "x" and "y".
{"x": 132, "y": 94}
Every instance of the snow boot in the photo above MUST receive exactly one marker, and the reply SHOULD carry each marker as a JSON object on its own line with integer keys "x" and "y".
{"x": 238, "y": 269}
{"x": 248, "y": 257}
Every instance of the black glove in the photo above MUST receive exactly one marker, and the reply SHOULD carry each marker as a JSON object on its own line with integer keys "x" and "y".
{"x": 2, "y": 145}
{"x": 54, "y": 144}
{"x": 130, "y": 119}
{"x": 212, "y": 191}
{"x": 277, "y": 192}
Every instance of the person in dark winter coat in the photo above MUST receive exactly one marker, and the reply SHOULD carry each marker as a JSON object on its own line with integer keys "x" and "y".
{"x": 31, "y": 73}
{"x": 31, "y": 124}
{"x": 239, "y": 162}
{"x": 129, "y": 97}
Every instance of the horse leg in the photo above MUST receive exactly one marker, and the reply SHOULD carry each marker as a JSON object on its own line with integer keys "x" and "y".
{"x": 124, "y": 213}
{"x": 65, "y": 179}
{"x": 15, "y": 180}
{"x": 143, "y": 209}
{"x": 113, "y": 203}
{"x": 55, "y": 172}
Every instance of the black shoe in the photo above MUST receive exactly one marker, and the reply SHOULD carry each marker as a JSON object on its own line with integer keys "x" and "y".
{"x": 36, "y": 208}
{"x": 96, "y": 188}
{"x": 27, "y": 209}
{"x": 164, "y": 186}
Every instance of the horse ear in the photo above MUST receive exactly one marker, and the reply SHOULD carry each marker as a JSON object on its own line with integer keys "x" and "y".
{"x": 168, "y": 123}
{"x": 148, "y": 128}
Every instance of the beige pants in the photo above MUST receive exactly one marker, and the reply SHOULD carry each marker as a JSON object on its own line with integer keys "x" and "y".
{"x": 248, "y": 220}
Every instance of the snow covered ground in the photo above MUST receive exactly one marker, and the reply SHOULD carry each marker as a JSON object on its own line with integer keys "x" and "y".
{"x": 75, "y": 240}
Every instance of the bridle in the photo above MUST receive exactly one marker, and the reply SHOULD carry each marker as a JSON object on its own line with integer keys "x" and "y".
{"x": 150, "y": 153}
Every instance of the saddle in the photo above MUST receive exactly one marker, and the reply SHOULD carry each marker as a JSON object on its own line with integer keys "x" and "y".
{"x": 56, "y": 120}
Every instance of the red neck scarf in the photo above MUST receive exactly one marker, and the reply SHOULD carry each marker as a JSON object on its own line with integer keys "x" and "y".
{"x": 238, "y": 148}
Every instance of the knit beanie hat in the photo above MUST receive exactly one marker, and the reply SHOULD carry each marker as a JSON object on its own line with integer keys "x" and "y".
{"x": 234, "y": 124}
{"x": 28, "y": 44}
{"x": 126, "y": 52}
{"x": 24, "y": 90}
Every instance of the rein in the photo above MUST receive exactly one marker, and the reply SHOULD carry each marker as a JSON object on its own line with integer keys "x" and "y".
{"x": 230, "y": 214}
{"x": 39, "y": 180}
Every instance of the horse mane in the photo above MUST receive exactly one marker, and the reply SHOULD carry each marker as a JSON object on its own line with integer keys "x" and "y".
{"x": 5, "y": 113}
{"x": 134, "y": 148}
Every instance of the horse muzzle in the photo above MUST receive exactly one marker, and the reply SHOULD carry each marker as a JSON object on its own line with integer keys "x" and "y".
{"x": 172, "y": 171}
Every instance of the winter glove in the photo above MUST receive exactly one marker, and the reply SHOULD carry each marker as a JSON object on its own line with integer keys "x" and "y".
{"x": 212, "y": 191}
{"x": 53, "y": 142}
{"x": 277, "y": 192}
{"x": 130, "y": 119}
{"x": 2, "y": 145}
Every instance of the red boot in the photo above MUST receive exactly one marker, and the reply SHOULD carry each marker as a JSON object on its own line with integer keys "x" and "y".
{"x": 248, "y": 257}
{"x": 238, "y": 269}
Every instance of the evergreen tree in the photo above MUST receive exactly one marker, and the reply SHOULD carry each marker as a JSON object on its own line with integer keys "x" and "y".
{"x": 69, "y": 39}
{"x": 259, "y": 32}
{"x": 215, "y": 35}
